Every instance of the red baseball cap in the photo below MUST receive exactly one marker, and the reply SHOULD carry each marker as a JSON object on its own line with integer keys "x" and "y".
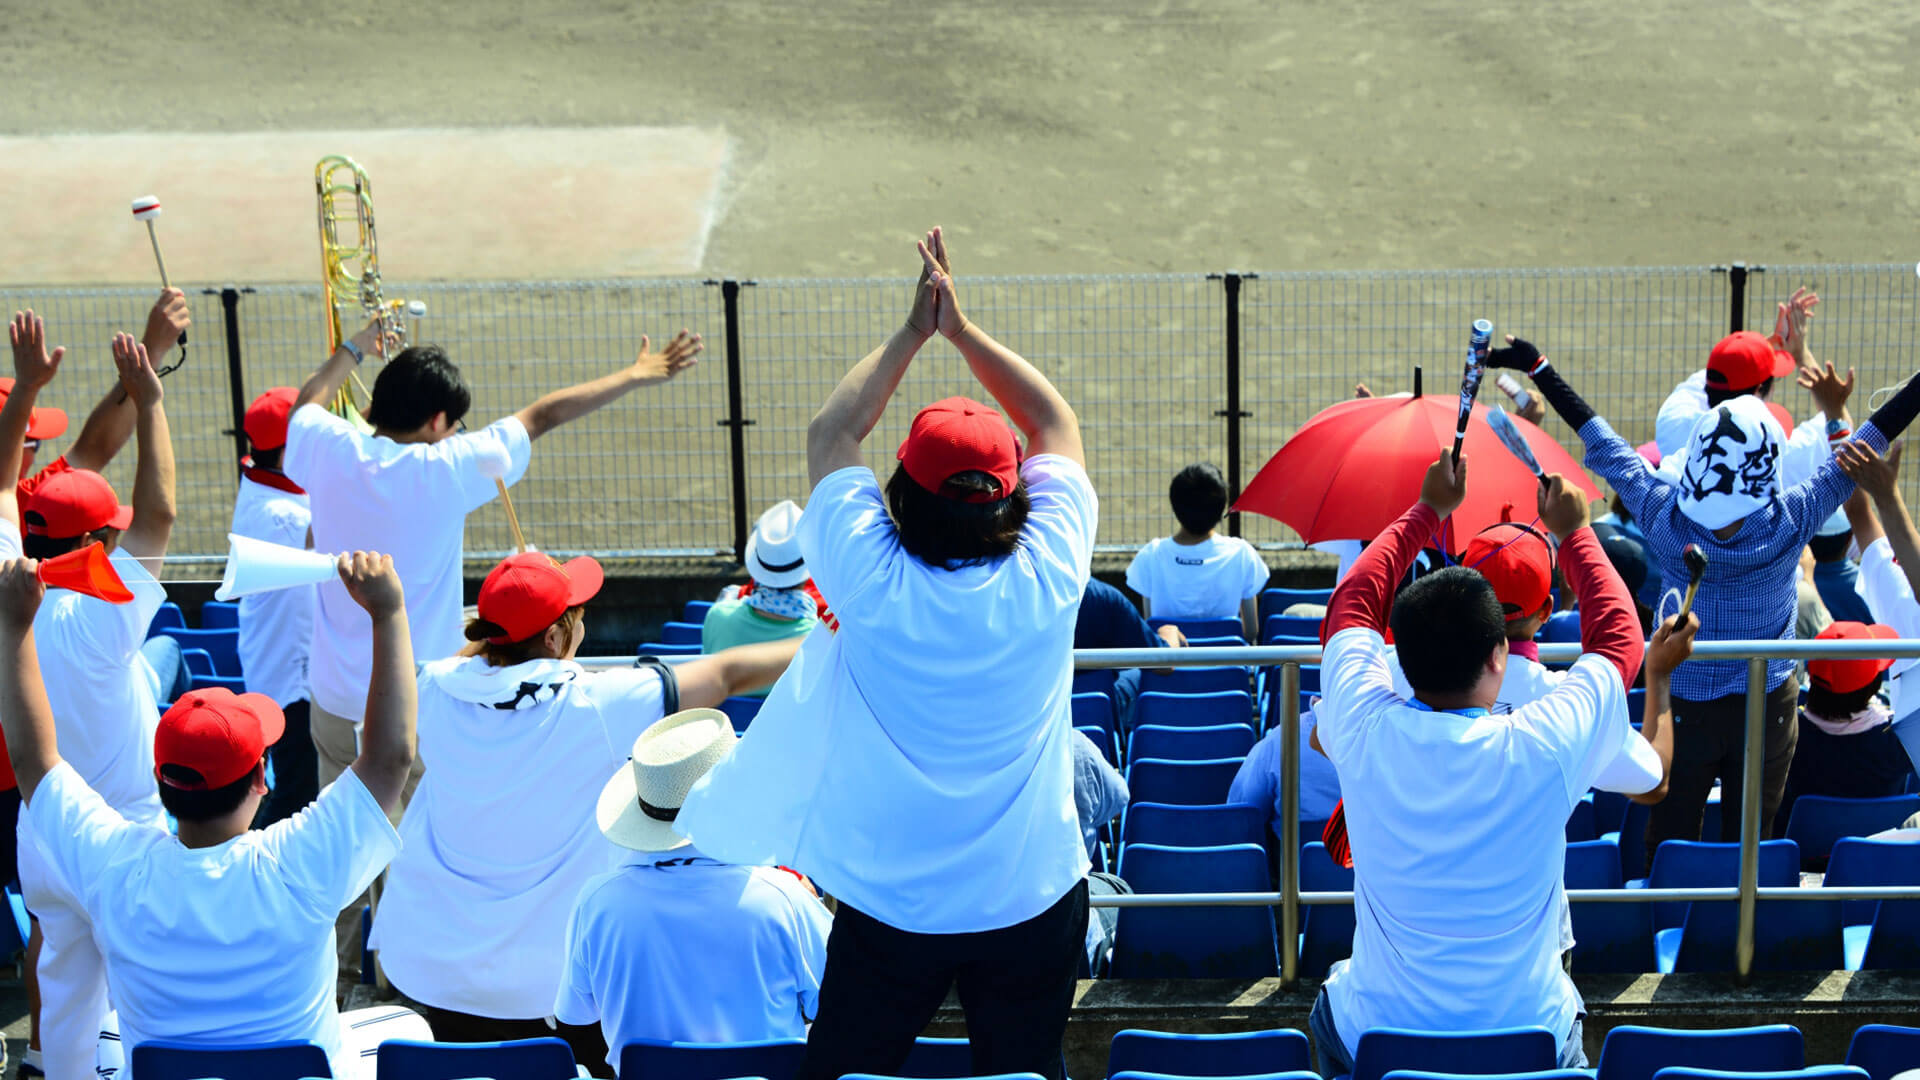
{"x": 528, "y": 592}
{"x": 1743, "y": 360}
{"x": 959, "y": 435}
{"x": 217, "y": 733}
{"x": 1846, "y": 676}
{"x": 41, "y": 423}
{"x": 1517, "y": 562}
{"x": 266, "y": 422}
{"x": 74, "y": 502}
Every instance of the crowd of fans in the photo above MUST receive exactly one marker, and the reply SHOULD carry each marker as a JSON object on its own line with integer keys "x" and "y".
{"x": 550, "y": 849}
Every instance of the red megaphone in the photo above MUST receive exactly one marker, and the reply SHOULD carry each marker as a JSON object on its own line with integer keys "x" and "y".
{"x": 87, "y": 572}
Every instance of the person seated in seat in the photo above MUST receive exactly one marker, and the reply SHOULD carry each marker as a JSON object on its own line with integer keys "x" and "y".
{"x": 221, "y": 935}
{"x": 1889, "y": 566}
{"x": 1196, "y": 574}
{"x": 778, "y": 606}
{"x": 498, "y": 840}
{"x": 675, "y": 945}
{"x": 1108, "y": 620}
{"x": 1847, "y": 746}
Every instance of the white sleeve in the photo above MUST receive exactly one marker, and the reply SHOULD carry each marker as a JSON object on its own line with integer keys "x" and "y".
{"x": 1355, "y": 687}
{"x": 331, "y": 851}
{"x": 9, "y": 539}
{"x": 1674, "y": 423}
{"x": 1582, "y": 723}
{"x": 629, "y": 700}
{"x": 507, "y": 436}
{"x": 575, "y": 1004}
{"x": 76, "y": 830}
{"x": 847, "y": 537}
{"x": 315, "y": 440}
{"x": 1062, "y": 518}
{"x": 1634, "y": 768}
{"x": 1254, "y": 571}
{"x": 1887, "y": 591}
{"x": 807, "y": 929}
{"x": 1806, "y": 450}
{"x": 1140, "y": 570}
{"x": 127, "y": 626}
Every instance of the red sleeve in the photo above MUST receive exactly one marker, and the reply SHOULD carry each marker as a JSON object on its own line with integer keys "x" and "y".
{"x": 1366, "y": 594}
{"x": 1608, "y": 623}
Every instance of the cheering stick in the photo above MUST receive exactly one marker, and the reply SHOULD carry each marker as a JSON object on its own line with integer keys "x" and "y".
{"x": 147, "y": 208}
{"x": 1696, "y": 561}
{"x": 495, "y": 465}
{"x": 1477, "y": 346}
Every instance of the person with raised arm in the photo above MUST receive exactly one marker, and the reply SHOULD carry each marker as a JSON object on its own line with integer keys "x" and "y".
{"x": 917, "y": 763}
{"x": 1455, "y": 815}
{"x": 1889, "y": 569}
{"x": 1730, "y": 502}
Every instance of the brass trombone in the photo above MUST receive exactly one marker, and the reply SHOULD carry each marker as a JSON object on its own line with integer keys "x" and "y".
{"x": 352, "y": 272}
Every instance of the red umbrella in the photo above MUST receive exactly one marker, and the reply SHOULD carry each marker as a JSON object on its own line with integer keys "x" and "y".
{"x": 1357, "y": 465}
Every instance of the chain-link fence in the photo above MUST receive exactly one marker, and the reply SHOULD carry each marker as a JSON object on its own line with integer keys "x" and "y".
{"x": 1163, "y": 369}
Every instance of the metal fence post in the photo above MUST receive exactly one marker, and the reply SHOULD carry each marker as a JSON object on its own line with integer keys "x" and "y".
{"x": 1290, "y": 824}
{"x": 236, "y": 382}
{"x": 735, "y": 423}
{"x": 1230, "y": 282}
{"x": 1750, "y": 816}
{"x": 1737, "y": 274}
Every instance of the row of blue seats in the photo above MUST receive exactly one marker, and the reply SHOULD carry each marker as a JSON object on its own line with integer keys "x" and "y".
{"x": 1629, "y": 1052}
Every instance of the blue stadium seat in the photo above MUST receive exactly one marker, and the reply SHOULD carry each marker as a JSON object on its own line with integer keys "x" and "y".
{"x": 1884, "y": 1051}
{"x": 773, "y": 1059}
{"x": 1193, "y": 826}
{"x": 1580, "y": 823}
{"x": 1223, "y": 641}
{"x": 1291, "y": 1074}
{"x": 1181, "y": 783}
{"x": 1818, "y": 821}
{"x": 209, "y": 682}
{"x": 220, "y": 615}
{"x": 1094, "y": 681}
{"x": 1203, "y": 680}
{"x": 1636, "y": 705}
{"x": 938, "y": 1059}
{"x": 1477, "y": 1053}
{"x": 1193, "y": 710}
{"x": 1788, "y": 935}
{"x": 198, "y": 661}
{"x": 663, "y": 649}
{"x": 1195, "y": 943}
{"x": 1606, "y": 937}
{"x": 1093, "y": 710}
{"x": 1632, "y": 1052}
{"x": 1104, "y": 741}
{"x": 257, "y": 1061}
{"x": 1817, "y": 1072}
{"x": 1544, "y": 1074}
{"x": 1191, "y": 743}
{"x": 1609, "y": 813}
{"x": 879, "y": 1076}
{"x": 742, "y": 710}
{"x": 1203, "y": 628}
{"x": 518, "y": 1059}
{"x": 1326, "y": 930}
{"x": 680, "y": 633}
{"x": 18, "y": 927}
{"x": 696, "y": 611}
{"x": 1862, "y": 861}
{"x": 1694, "y": 864}
{"x": 1240, "y": 1053}
{"x": 222, "y": 645}
{"x": 1277, "y": 601}
{"x": 1560, "y": 626}
{"x": 169, "y": 617}
{"x": 1275, "y": 627}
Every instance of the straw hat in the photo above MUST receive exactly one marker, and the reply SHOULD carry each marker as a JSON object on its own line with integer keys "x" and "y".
{"x": 640, "y": 802}
{"x": 773, "y": 551}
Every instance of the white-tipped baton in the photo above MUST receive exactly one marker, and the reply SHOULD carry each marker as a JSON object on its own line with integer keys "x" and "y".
{"x": 147, "y": 208}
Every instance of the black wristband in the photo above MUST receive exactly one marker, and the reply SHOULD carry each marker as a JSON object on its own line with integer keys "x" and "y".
{"x": 1893, "y": 417}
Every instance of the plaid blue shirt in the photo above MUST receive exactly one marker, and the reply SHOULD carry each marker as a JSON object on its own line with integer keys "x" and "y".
{"x": 1747, "y": 593}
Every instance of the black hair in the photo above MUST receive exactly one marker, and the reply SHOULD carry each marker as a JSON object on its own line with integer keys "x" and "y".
{"x": 1445, "y": 625}
{"x": 418, "y": 383}
{"x": 1199, "y": 497}
{"x": 35, "y": 546}
{"x": 270, "y": 459}
{"x": 1830, "y": 548}
{"x": 202, "y": 804}
{"x": 943, "y": 529}
{"x": 1833, "y": 705}
{"x": 1718, "y": 394}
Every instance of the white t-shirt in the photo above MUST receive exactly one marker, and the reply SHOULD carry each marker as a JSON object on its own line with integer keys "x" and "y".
{"x": 9, "y": 539}
{"x": 407, "y": 500}
{"x": 101, "y": 688}
{"x": 227, "y": 944}
{"x": 501, "y": 836}
{"x": 1206, "y": 580}
{"x": 674, "y": 945}
{"x": 916, "y": 764}
{"x": 1458, "y": 825}
{"x": 1888, "y": 594}
{"x": 276, "y": 628}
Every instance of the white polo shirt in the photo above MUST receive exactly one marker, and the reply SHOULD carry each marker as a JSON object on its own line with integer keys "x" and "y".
{"x": 500, "y": 837}
{"x": 276, "y": 628}
{"x": 226, "y": 944}
{"x": 1458, "y": 825}
{"x": 674, "y": 945}
{"x": 1207, "y": 580}
{"x": 916, "y": 763}
{"x": 407, "y": 500}
{"x": 1890, "y": 596}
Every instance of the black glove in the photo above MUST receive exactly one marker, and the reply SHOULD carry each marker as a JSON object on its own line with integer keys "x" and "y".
{"x": 1518, "y": 356}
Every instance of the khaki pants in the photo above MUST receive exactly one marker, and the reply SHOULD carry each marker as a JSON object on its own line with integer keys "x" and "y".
{"x": 336, "y": 742}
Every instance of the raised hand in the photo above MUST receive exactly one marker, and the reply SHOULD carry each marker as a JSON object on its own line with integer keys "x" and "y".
{"x": 137, "y": 376}
{"x": 372, "y": 582}
{"x": 1790, "y": 325}
{"x": 1871, "y": 473}
{"x": 924, "y": 318}
{"x": 1829, "y": 390}
{"x": 939, "y": 270}
{"x": 1445, "y": 486}
{"x": 31, "y": 363}
{"x": 1519, "y": 355}
{"x": 1671, "y": 644}
{"x": 1360, "y": 391}
{"x": 680, "y": 354}
{"x": 372, "y": 342}
{"x": 166, "y": 322}
{"x": 20, "y": 593}
{"x": 1563, "y": 506}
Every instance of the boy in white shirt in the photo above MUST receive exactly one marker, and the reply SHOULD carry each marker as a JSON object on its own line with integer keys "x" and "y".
{"x": 678, "y": 946}
{"x": 276, "y": 627}
{"x": 221, "y": 935}
{"x": 1196, "y": 574}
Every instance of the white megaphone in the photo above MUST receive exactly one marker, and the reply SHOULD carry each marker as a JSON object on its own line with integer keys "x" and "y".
{"x": 257, "y": 566}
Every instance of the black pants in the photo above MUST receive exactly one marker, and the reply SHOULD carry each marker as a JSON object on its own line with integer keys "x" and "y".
{"x": 1709, "y": 742}
{"x": 882, "y": 985}
{"x": 296, "y": 769}
{"x": 588, "y": 1044}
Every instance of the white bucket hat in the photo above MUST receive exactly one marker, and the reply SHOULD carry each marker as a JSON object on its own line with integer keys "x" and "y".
{"x": 1733, "y": 462}
{"x": 773, "y": 551}
{"x": 639, "y": 804}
